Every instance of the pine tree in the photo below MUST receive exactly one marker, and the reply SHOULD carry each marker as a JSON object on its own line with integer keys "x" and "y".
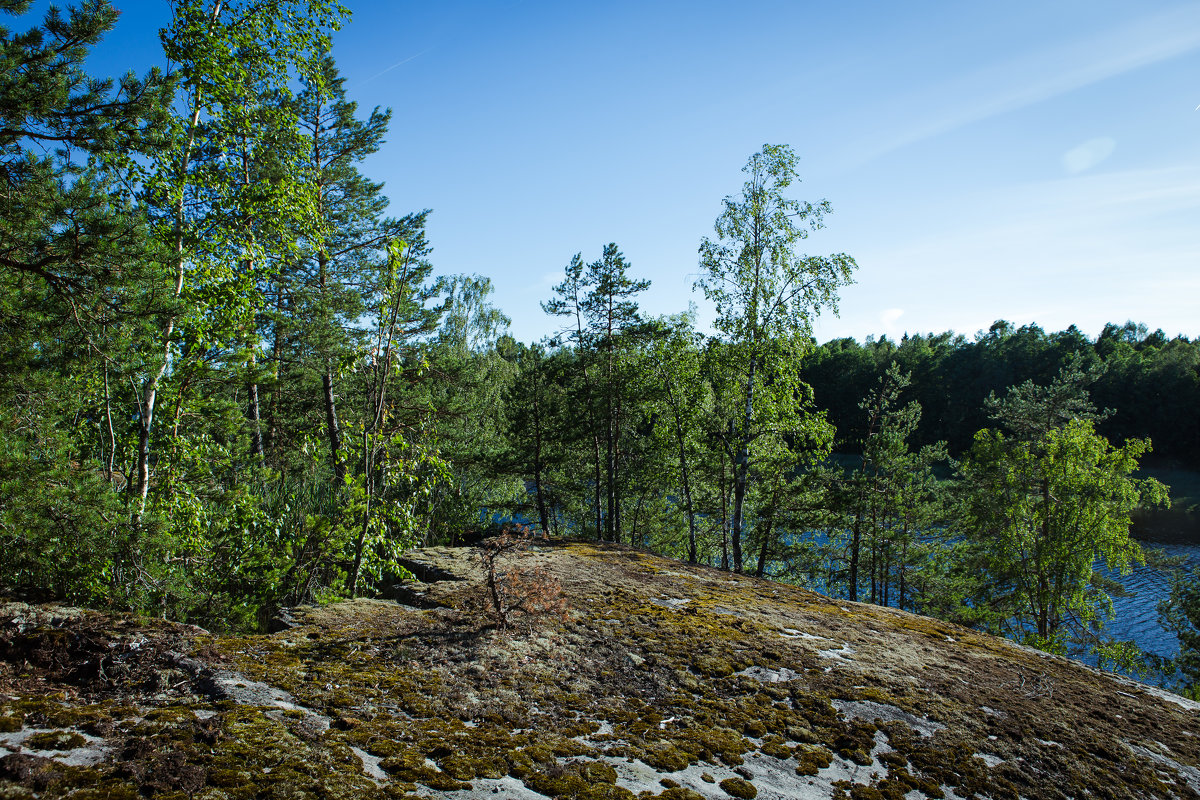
{"x": 1047, "y": 499}
{"x": 73, "y": 293}
{"x": 64, "y": 137}
{"x": 891, "y": 496}
{"x": 612, "y": 316}
{"x": 319, "y": 298}
{"x": 598, "y": 301}
{"x": 569, "y": 304}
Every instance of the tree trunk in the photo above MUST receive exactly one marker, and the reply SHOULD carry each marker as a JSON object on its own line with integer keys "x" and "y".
{"x": 886, "y": 573}
{"x": 596, "y": 490}
{"x": 609, "y": 476}
{"x": 724, "y": 521}
{"x": 874, "y": 570}
{"x": 538, "y": 491}
{"x": 256, "y": 436}
{"x": 687, "y": 491}
{"x": 112, "y": 435}
{"x": 741, "y": 467}
{"x": 855, "y": 544}
{"x": 615, "y": 490}
{"x": 333, "y": 431}
{"x": 1046, "y": 624}
{"x": 273, "y": 443}
{"x": 597, "y": 463}
{"x": 764, "y": 550}
{"x": 610, "y": 464}
{"x": 360, "y": 544}
{"x": 740, "y": 479}
{"x": 150, "y": 388}
{"x": 332, "y": 428}
{"x": 370, "y": 432}
{"x": 253, "y": 412}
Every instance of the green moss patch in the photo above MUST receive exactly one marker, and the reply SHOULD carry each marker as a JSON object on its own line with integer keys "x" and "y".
{"x": 737, "y": 787}
{"x": 54, "y": 740}
{"x": 444, "y": 702}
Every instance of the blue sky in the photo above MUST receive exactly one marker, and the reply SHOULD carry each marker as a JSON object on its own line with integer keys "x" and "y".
{"x": 1031, "y": 161}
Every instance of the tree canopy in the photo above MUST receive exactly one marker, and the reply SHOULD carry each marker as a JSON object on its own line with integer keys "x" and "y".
{"x": 233, "y": 382}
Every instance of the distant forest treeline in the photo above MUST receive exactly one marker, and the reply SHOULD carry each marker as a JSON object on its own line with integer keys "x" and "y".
{"x": 1151, "y": 383}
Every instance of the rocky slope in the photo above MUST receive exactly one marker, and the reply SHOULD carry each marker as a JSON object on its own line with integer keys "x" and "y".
{"x": 663, "y": 680}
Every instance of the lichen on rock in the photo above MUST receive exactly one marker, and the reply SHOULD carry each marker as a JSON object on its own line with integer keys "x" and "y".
{"x": 664, "y": 680}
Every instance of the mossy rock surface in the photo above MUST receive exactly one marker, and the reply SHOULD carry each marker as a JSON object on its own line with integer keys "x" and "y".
{"x": 740, "y": 788}
{"x": 54, "y": 740}
{"x": 665, "y": 680}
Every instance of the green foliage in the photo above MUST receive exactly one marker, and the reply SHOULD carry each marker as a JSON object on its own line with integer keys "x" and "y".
{"x": 766, "y": 295}
{"x": 472, "y": 379}
{"x": 70, "y": 300}
{"x": 63, "y": 139}
{"x": 62, "y": 527}
{"x": 1045, "y": 504}
{"x": 762, "y": 288}
{"x": 1180, "y": 614}
{"x": 1150, "y": 382}
{"x": 891, "y": 503}
{"x": 605, "y": 330}
{"x": 681, "y": 398}
{"x": 535, "y": 415}
{"x": 1124, "y": 657}
{"x": 226, "y": 554}
{"x": 199, "y": 238}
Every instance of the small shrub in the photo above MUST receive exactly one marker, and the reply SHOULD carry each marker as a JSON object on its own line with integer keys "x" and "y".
{"x": 531, "y": 592}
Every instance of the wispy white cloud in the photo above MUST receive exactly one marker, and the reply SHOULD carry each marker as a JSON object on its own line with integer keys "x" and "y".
{"x": 1084, "y": 249}
{"x": 1144, "y": 204}
{"x": 1089, "y": 154}
{"x": 889, "y": 317}
{"x": 399, "y": 63}
{"x": 1146, "y": 193}
{"x": 1042, "y": 75}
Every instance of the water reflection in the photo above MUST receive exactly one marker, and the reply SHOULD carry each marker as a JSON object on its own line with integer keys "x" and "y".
{"x": 1169, "y": 533}
{"x": 1137, "y": 616}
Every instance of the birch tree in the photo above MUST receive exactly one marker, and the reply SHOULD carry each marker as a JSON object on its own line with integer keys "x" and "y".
{"x": 226, "y": 56}
{"x": 766, "y": 296}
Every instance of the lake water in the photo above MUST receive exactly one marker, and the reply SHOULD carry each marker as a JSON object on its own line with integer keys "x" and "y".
{"x": 1136, "y": 620}
{"x": 1168, "y": 533}
{"x": 1137, "y": 616}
